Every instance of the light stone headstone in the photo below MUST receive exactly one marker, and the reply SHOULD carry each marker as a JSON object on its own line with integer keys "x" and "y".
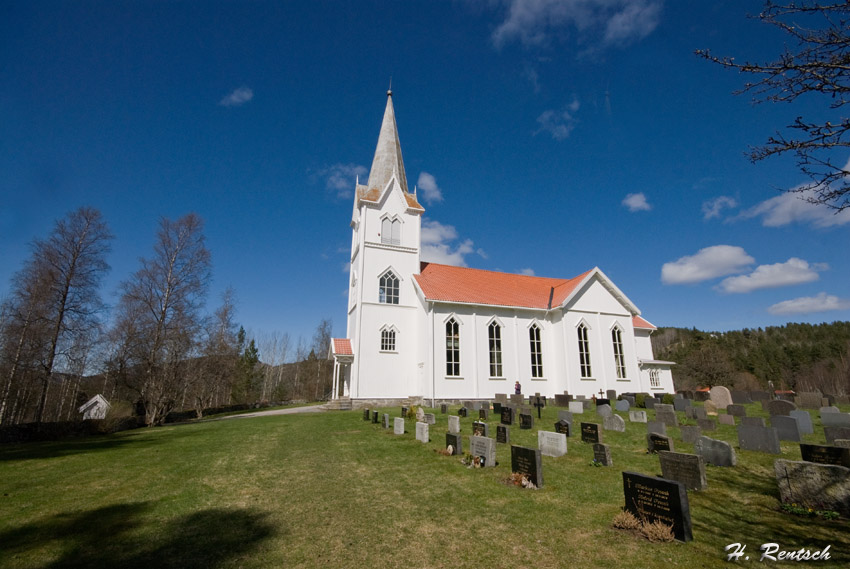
{"x": 813, "y": 485}
{"x": 576, "y": 407}
{"x": 726, "y": 419}
{"x": 422, "y": 432}
{"x": 690, "y": 434}
{"x": 603, "y": 410}
{"x": 804, "y": 421}
{"x": 689, "y": 469}
{"x": 666, "y": 416}
{"x": 420, "y": 414}
{"x": 551, "y": 444}
{"x": 843, "y": 443}
{"x": 484, "y": 447}
{"x": 398, "y": 426}
{"x": 835, "y": 419}
{"x": 714, "y": 452}
{"x": 809, "y": 399}
{"x": 430, "y": 418}
{"x": 699, "y": 413}
{"x": 454, "y": 424}
{"x": 656, "y": 427}
{"x": 622, "y": 405}
{"x": 720, "y": 396}
{"x": 637, "y": 416}
{"x": 386, "y": 420}
{"x": 614, "y": 423}
{"x": 709, "y": 407}
{"x": 830, "y": 409}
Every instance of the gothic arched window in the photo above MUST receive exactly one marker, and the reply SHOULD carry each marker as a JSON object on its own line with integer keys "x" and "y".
{"x": 494, "y": 334}
{"x": 536, "y": 351}
{"x": 584, "y": 351}
{"x": 452, "y": 348}
{"x": 388, "y": 288}
{"x": 619, "y": 358}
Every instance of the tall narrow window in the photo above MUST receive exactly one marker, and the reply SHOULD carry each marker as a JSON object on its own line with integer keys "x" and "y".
{"x": 654, "y": 378}
{"x": 584, "y": 351}
{"x": 391, "y": 231}
{"x": 387, "y": 340}
{"x": 452, "y": 348}
{"x": 619, "y": 359}
{"x": 494, "y": 333}
{"x": 396, "y": 236}
{"x": 388, "y": 288}
{"x": 536, "y": 351}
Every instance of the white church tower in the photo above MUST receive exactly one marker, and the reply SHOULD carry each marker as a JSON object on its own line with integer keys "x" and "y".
{"x": 382, "y": 302}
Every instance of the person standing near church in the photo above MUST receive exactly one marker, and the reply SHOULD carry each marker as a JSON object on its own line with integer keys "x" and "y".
{"x": 517, "y": 388}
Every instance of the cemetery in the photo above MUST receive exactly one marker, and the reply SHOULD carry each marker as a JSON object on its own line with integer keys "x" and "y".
{"x": 385, "y": 474}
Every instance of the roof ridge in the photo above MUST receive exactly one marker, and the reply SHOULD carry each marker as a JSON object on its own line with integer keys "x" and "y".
{"x": 561, "y": 280}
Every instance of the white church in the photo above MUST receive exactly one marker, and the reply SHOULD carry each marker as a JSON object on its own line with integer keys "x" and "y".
{"x": 445, "y": 333}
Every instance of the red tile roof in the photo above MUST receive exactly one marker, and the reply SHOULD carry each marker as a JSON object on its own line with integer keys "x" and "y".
{"x": 639, "y": 322}
{"x": 342, "y": 347}
{"x": 476, "y": 286}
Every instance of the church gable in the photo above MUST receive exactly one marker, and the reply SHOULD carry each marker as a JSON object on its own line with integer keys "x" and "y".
{"x": 598, "y": 294}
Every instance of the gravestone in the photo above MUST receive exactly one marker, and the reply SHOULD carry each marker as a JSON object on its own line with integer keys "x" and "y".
{"x": 430, "y": 418}
{"x": 655, "y": 499}
{"x": 590, "y": 433}
{"x": 614, "y": 423}
{"x": 603, "y": 410}
{"x": 709, "y": 407}
{"x": 367, "y": 415}
{"x": 786, "y": 428}
{"x": 630, "y": 399}
{"x": 656, "y": 427}
{"x": 753, "y": 421}
{"x": 812, "y": 485}
{"x": 714, "y": 452}
{"x": 463, "y": 412}
{"x": 637, "y": 416}
{"x": 484, "y": 448}
{"x": 808, "y": 400}
{"x": 565, "y": 416}
{"x": 422, "y": 432}
{"x": 563, "y": 427}
{"x": 551, "y": 444}
{"x": 467, "y": 404}
{"x": 576, "y": 407}
{"x": 528, "y": 462}
{"x": 456, "y": 442}
{"x": 835, "y": 419}
{"x": 562, "y": 400}
{"x": 586, "y": 404}
{"x": 444, "y": 408}
{"x": 404, "y": 411}
{"x": 741, "y": 397}
{"x": 689, "y": 469}
{"x": 501, "y": 398}
{"x": 832, "y": 433}
{"x": 690, "y": 412}
{"x": 611, "y": 394}
{"x": 503, "y": 434}
{"x": 375, "y": 417}
{"x": 761, "y": 439}
{"x": 666, "y": 415}
{"x": 707, "y": 424}
{"x": 507, "y": 415}
{"x": 701, "y": 396}
{"x": 804, "y": 421}
{"x": 690, "y": 434}
{"x": 699, "y": 413}
{"x": 398, "y": 426}
{"x": 779, "y": 407}
{"x": 497, "y": 408}
{"x": 759, "y": 395}
{"x": 720, "y": 396}
{"x": 622, "y": 405}
{"x": 726, "y": 420}
{"x": 420, "y": 414}
{"x": 480, "y": 429}
{"x": 830, "y": 409}
{"x": 681, "y": 404}
{"x": 601, "y": 401}
{"x": 650, "y": 402}
{"x": 602, "y": 454}
{"x": 826, "y": 454}
{"x": 483, "y": 414}
{"x": 843, "y": 443}
{"x": 454, "y": 424}
{"x": 517, "y": 399}
{"x": 656, "y": 442}
{"x": 526, "y": 421}
{"x": 386, "y": 420}
{"x": 737, "y": 410}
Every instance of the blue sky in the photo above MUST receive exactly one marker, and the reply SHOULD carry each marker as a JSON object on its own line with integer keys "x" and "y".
{"x": 546, "y": 137}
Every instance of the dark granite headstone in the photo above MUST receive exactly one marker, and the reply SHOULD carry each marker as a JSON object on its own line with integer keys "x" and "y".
{"x": 462, "y": 412}
{"x": 404, "y": 411}
{"x": 666, "y": 416}
{"x": 528, "y": 462}
{"x": 754, "y": 421}
{"x": 444, "y": 408}
{"x": 786, "y": 428}
{"x": 526, "y": 421}
{"x": 689, "y": 469}
{"x": 826, "y": 454}
{"x": 565, "y": 416}
{"x": 456, "y": 442}
{"x": 759, "y": 395}
{"x": 707, "y": 424}
{"x": 809, "y": 399}
{"x": 483, "y": 414}
{"x": 701, "y": 396}
{"x": 497, "y": 408}
{"x": 736, "y": 410}
{"x": 603, "y": 402}
{"x": 681, "y": 404}
{"x": 656, "y": 443}
{"x": 656, "y": 499}
{"x": 699, "y": 413}
{"x": 690, "y": 434}
{"x": 375, "y": 417}
{"x": 832, "y": 433}
{"x": 561, "y": 400}
{"x": 656, "y": 427}
{"x": 761, "y": 439}
{"x": 741, "y": 397}
{"x": 503, "y": 434}
{"x": 602, "y": 454}
{"x": 563, "y": 427}
{"x": 726, "y": 419}
{"x": 779, "y": 407}
{"x": 714, "y": 452}
{"x": 507, "y": 415}
{"x": 480, "y": 429}
{"x": 591, "y": 433}
{"x": 367, "y": 416}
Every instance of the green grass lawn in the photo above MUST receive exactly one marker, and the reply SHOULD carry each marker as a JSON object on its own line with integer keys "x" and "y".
{"x": 329, "y": 489}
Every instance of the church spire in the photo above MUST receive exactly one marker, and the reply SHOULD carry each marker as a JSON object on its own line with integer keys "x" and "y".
{"x": 388, "y": 161}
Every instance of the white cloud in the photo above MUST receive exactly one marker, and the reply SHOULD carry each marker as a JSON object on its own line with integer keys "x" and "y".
{"x": 636, "y": 202}
{"x": 559, "y": 123}
{"x": 708, "y": 263}
{"x": 527, "y": 272}
{"x": 342, "y": 177}
{"x": 792, "y": 207}
{"x": 430, "y": 191}
{"x": 794, "y": 271}
{"x": 237, "y": 98}
{"x": 821, "y": 303}
{"x": 713, "y": 207}
{"x": 609, "y": 22}
{"x": 438, "y": 247}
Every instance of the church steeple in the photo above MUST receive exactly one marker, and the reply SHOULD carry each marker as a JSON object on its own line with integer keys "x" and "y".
{"x": 387, "y": 161}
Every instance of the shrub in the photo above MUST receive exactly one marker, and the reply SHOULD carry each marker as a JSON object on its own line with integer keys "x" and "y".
{"x": 640, "y": 400}
{"x": 667, "y": 399}
{"x": 626, "y": 520}
{"x": 657, "y": 532}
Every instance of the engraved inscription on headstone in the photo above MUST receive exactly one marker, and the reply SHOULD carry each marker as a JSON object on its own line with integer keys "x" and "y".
{"x": 484, "y": 448}
{"x": 503, "y": 434}
{"x": 528, "y": 462}
{"x": 602, "y": 454}
{"x": 656, "y": 442}
{"x": 590, "y": 433}
{"x": 526, "y": 421}
{"x": 456, "y": 442}
{"x": 507, "y": 415}
{"x": 656, "y": 499}
{"x": 398, "y": 426}
{"x": 826, "y": 454}
{"x": 422, "y": 432}
{"x": 689, "y": 469}
{"x": 480, "y": 429}
{"x": 552, "y": 444}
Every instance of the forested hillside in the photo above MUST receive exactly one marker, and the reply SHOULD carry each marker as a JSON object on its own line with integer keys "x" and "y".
{"x": 801, "y": 357}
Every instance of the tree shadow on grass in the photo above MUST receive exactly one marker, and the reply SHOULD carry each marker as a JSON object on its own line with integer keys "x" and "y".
{"x": 66, "y": 447}
{"x": 122, "y": 536}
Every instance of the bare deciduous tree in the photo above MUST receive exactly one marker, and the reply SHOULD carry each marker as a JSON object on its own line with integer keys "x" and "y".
{"x": 820, "y": 64}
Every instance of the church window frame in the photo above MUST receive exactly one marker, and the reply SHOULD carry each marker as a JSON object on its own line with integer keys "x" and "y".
{"x": 655, "y": 378}
{"x": 388, "y": 339}
{"x": 494, "y": 348}
{"x": 388, "y": 288}
{"x": 536, "y": 350}
{"x": 452, "y": 347}
{"x": 391, "y": 230}
{"x": 619, "y": 352}
{"x": 585, "y": 369}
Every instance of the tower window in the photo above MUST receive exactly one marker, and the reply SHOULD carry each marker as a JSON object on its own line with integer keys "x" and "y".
{"x": 388, "y": 288}
{"x": 584, "y": 352}
{"x": 494, "y": 333}
{"x": 387, "y": 340}
{"x": 452, "y": 348}
{"x": 619, "y": 359}
{"x": 391, "y": 231}
{"x": 536, "y": 351}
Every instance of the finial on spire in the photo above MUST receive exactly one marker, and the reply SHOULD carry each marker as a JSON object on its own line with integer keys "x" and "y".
{"x": 390, "y": 89}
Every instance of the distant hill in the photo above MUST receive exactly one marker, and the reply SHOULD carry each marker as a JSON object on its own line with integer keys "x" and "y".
{"x": 802, "y": 357}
